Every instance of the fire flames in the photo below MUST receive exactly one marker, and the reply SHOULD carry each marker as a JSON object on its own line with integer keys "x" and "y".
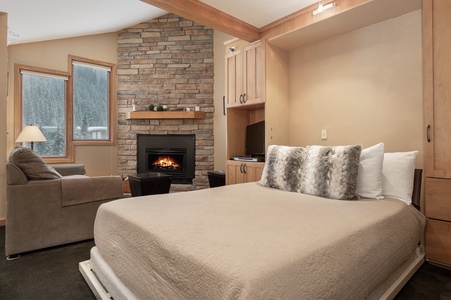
{"x": 166, "y": 162}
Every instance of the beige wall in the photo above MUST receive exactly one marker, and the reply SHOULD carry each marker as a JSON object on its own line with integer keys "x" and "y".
{"x": 99, "y": 160}
{"x": 364, "y": 87}
{"x": 3, "y": 96}
{"x": 219, "y": 91}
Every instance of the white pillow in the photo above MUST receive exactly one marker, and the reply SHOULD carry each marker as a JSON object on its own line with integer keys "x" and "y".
{"x": 369, "y": 183}
{"x": 397, "y": 175}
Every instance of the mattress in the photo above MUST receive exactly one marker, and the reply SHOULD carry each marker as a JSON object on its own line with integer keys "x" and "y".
{"x": 247, "y": 241}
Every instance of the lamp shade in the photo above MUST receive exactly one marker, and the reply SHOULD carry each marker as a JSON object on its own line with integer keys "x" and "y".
{"x": 31, "y": 134}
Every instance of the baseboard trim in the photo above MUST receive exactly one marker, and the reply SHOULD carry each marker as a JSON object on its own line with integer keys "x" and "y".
{"x": 2, "y": 222}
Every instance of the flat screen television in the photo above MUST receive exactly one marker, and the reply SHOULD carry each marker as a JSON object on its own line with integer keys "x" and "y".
{"x": 255, "y": 139}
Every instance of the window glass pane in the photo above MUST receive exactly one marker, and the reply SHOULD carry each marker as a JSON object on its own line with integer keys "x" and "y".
{"x": 90, "y": 103}
{"x": 43, "y": 105}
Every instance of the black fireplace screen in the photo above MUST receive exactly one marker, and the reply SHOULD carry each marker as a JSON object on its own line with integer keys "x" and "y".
{"x": 168, "y": 154}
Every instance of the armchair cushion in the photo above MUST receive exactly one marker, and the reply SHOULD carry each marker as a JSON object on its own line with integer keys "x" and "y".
{"x": 78, "y": 189}
{"x": 70, "y": 169}
{"x": 32, "y": 165}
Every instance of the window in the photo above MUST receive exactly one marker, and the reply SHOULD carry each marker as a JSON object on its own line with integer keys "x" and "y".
{"x": 91, "y": 101}
{"x": 43, "y": 103}
{"x": 70, "y": 109}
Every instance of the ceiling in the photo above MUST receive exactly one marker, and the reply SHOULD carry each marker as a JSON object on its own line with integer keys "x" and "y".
{"x": 31, "y": 20}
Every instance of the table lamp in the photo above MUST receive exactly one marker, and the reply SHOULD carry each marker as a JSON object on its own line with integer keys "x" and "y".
{"x": 31, "y": 134}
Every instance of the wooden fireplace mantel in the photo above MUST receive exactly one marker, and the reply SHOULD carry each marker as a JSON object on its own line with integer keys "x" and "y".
{"x": 131, "y": 115}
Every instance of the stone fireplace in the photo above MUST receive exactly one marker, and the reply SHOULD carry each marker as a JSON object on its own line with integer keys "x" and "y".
{"x": 166, "y": 61}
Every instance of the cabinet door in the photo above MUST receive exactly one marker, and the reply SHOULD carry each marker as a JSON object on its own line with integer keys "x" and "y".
{"x": 234, "y": 172}
{"x": 234, "y": 78}
{"x": 438, "y": 241}
{"x": 253, "y": 171}
{"x": 241, "y": 172}
{"x": 254, "y": 74}
{"x": 437, "y": 192}
{"x": 437, "y": 87}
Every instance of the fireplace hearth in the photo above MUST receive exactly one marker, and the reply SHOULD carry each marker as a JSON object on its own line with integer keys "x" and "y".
{"x": 172, "y": 154}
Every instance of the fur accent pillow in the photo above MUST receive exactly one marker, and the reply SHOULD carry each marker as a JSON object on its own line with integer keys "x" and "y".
{"x": 283, "y": 168}
{"x": 32, "y": 165}
{"x": 323, "y": 171}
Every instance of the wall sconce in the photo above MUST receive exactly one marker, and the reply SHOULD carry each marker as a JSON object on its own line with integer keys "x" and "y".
{"x": 31, "y": 134}
{"x": 322, "y": 7}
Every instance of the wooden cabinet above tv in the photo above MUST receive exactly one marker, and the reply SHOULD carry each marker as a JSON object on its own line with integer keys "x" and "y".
{"x": 269, "y": 103}
{"x": 245, "y": 75}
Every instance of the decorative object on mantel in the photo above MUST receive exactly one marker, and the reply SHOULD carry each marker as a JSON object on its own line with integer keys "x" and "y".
{"x": 165, "y": 115}
{"x": 159, "y": 107}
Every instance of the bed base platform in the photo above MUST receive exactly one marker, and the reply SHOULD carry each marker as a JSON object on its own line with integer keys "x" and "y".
{"x": 102, "y": 293}
{"x": 405, "y": 276}
{"x": 91, "y": 279}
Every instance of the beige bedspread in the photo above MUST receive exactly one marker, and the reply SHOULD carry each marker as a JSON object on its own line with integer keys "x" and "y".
{"x": 250, "y": 242}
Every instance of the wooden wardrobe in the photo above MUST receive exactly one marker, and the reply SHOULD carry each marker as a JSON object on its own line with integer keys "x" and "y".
{"x": 437, "y": 122}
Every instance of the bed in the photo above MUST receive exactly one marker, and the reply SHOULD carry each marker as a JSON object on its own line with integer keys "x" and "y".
{"x": 251, "y": 241}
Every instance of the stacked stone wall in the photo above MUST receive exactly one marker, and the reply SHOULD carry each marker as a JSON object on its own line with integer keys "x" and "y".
{"x": 166, "y": 61}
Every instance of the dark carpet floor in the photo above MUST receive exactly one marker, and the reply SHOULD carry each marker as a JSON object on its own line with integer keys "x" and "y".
{"x": 53, "y": 274}
{"x": 45, "y": 274}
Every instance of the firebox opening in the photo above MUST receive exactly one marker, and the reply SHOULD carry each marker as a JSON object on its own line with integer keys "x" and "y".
{"x": 165, "y": 162}
{"x": 169, "y": 154}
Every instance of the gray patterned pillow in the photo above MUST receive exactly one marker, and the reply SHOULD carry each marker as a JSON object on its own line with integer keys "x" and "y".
{"x": 323, "y": 171}
{"x": 283, "y": 168}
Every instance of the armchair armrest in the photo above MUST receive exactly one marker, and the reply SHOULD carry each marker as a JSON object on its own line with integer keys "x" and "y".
{"x": 81, "y": 189}
{"x": 70, "y": 169}
{"x": 14, "y": 175}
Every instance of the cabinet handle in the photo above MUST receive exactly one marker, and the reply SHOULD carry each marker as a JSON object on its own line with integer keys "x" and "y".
{"x": 244, "y": 169}
{"x": 244, "y": 99}
{"x": 241, "y": 168}
{"x": 241, "y": 98}
{"x": 223, "y": 105}
{"x": 428, "y": 135}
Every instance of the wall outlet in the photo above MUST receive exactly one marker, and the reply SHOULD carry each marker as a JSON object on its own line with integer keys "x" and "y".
{"x": 324, "y": 134}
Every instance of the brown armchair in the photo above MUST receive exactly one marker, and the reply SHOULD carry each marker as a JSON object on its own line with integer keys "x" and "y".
{"x": 48, "y": 206}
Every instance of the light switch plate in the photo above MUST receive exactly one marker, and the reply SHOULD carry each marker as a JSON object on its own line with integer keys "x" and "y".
{"x": 324, "y": 134}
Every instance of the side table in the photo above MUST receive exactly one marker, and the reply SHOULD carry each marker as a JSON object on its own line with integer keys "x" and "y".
{"x": 149, "y": 183}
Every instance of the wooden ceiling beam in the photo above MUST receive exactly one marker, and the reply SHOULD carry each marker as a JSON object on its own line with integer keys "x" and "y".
{"x": 209, "y": 16}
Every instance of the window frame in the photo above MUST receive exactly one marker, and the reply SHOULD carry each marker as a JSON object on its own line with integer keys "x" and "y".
{"x": 70, "y": 142}
{"x": 112, "y": 107}
{"x": 18, "y": 105}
